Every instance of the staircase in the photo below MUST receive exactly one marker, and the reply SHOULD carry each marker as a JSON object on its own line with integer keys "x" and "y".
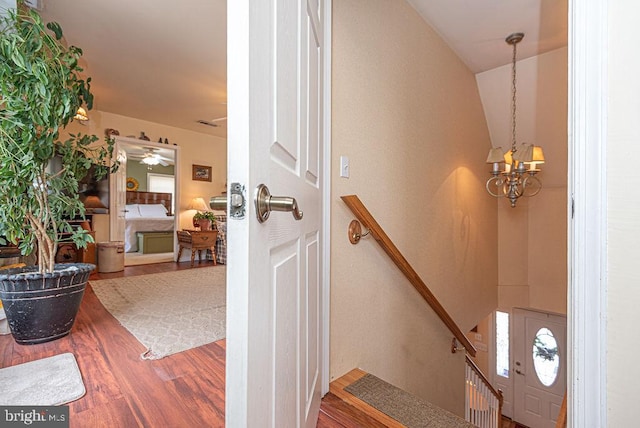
{"x": 361, "y": 399}
{"x": 392, "y": 406}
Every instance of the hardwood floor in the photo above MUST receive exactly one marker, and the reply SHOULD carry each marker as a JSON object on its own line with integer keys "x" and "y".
{"x": 181, "y": 390}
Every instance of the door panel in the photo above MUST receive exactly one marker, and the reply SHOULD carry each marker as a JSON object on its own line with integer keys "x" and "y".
{"x": 274, "y": 334}
{"x": 539, "y": 366}
{"x": 285, "y": 261}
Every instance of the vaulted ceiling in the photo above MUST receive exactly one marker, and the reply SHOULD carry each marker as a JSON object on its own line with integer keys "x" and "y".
{"x": 165, "y": 62}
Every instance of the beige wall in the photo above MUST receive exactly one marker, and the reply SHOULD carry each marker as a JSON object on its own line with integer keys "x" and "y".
{"x": 532, "y": 236}
{"x": 195, "y": 148}
{"x": 623, "y": 211}
{"x": 407, "y": 113}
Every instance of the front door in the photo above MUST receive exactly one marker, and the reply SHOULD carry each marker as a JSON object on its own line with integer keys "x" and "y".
{"x": 540, "y": 356}
{"x": 276, "y": 79}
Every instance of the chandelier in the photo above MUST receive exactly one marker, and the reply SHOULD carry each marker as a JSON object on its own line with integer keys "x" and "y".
{"x": 514, "y": 172}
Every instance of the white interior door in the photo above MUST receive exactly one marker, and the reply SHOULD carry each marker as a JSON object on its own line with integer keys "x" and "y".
{"x": 275, "y": 136}
{"x": 540, "y": 355}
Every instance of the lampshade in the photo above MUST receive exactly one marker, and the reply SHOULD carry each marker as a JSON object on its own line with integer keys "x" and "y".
{"x": 524, "y": 153}
{"x": 538, "y": 156}
{"x": 198, "y": 204}
{"x": 81, "y": 115}
{"x": 495, "y": 155}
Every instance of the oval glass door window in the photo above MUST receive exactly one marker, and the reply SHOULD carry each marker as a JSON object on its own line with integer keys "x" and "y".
{"x": 545, "y": 356}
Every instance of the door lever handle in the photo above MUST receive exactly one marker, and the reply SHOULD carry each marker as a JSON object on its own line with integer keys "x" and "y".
{"x": 519, "y": 372}
{"x": 265, "y": 203}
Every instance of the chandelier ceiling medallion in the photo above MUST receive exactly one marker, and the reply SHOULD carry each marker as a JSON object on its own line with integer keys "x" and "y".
{"x": 514, "y": 172}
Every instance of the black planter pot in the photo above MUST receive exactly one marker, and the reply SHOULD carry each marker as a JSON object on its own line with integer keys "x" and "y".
{"x": 43, "y": 307}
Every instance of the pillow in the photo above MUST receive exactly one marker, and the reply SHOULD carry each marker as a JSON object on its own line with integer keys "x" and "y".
{"x": 131, "y": 211}
{"x": 152, "y": 210}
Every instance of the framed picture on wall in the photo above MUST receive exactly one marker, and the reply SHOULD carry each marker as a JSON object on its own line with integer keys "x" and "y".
{"x": 201, "y": 173}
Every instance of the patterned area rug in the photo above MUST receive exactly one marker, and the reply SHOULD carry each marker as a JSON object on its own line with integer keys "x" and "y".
{"x": 168, "y": 312}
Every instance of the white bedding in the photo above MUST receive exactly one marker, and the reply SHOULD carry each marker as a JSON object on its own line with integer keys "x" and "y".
{"x": 144, "y": 224}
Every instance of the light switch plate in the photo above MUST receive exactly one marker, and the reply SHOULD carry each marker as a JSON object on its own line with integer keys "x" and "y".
{"x": 344, "y": 166}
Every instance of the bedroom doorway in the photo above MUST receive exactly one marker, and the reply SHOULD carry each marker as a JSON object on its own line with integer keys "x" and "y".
{"x": 142, "y": 200}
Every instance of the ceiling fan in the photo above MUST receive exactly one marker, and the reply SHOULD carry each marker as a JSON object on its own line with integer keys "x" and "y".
{"x": 151, "y": 157}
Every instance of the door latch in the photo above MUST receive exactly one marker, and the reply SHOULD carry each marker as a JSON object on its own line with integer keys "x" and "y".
{"x": 237, "y": 201}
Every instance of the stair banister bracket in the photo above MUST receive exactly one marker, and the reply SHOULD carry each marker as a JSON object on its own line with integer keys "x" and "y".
{"x": 355, "y": 232}
{"x": 454, "y": 346}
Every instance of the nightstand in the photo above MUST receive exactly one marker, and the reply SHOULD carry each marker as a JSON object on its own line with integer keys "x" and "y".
{"x": 197, "y": 240}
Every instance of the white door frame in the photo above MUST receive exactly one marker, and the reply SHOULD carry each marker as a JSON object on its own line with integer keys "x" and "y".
{"x": 326, "y": 202}
{"x": 587, "y": 309}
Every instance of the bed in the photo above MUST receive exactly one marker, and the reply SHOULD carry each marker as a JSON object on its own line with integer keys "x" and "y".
{"x": 146, "y": 212}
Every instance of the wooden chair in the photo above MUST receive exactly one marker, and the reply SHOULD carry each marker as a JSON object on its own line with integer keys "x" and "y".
{"x": 197, "y": 240}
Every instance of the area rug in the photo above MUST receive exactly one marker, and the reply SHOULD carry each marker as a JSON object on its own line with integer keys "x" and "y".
{"x": 46, "y": 382}
{"x": 168, "y": 312}
{"x": 405, "y": 408}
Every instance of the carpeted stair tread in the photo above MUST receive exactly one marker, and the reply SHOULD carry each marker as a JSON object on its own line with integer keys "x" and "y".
{"x": 402, "y": 406}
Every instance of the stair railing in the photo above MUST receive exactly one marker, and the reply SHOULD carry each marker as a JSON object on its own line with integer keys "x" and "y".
{"x": 367, "y": 220}
{"x": 483, "y": 403}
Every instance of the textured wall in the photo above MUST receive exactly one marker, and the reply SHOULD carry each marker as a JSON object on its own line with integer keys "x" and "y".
{"x": 407, "y": 112}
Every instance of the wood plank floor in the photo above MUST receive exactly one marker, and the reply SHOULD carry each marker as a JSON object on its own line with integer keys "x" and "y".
{"x": 181, "y": 390}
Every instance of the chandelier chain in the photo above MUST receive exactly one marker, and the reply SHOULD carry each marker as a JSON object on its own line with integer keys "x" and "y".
{"x": 513, "y": 100}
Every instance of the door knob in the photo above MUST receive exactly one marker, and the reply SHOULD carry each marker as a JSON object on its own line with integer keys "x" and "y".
{"x": 519, "y": 372}
{"x": 265, "y": 203}
{"x": 218, "y": 203}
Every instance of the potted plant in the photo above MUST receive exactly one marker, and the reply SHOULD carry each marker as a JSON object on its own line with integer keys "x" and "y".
{"x": 205, "y": 219}
{"x": 41, "y": 90}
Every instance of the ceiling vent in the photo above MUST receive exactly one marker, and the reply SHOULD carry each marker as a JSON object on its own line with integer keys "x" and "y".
{"x": 207, "y": 123}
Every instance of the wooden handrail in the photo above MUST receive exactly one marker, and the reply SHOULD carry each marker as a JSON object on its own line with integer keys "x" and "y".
{"x": 367, "y": 220}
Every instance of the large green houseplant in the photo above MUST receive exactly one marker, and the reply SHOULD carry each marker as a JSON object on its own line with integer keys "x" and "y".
{"x": 41, "y": 89}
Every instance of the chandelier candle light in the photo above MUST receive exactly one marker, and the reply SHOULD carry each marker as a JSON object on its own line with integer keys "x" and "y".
{"x": 520, "y": 165}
